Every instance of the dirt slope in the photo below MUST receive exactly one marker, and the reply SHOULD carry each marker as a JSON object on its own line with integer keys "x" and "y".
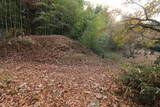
{"x": 56, "y": 72}
{"x": 44, "y": 49}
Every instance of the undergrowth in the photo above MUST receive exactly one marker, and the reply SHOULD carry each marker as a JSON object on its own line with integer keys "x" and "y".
{"x": 26, "y": 41}
{"x": 113, "y": 55}
{"x": 141, "y": 83}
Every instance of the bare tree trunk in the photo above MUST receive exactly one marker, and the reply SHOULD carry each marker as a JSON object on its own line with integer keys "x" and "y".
{"x": 10, "y": 7}
{"x": 2, "y": 19}
{"x": 21, "y": 20}
{"x": 6, "y": 16}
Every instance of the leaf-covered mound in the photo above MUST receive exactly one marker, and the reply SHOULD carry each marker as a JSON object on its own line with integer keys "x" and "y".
{"x": 44, "y": 49}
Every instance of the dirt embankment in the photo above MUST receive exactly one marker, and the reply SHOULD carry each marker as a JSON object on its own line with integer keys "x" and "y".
{"x": 43, "y": 49}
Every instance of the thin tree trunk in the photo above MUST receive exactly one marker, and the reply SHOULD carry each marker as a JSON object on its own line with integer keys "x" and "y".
{"x": 6, "y": 16}
{"x": 21, "y": 20}
{"x": 2, "y": 25}
{"x": 10, "y": 7}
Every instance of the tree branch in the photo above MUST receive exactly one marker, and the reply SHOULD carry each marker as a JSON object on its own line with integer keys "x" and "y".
{"x": 149, "y": 37}
{"x": 144, "y": 9}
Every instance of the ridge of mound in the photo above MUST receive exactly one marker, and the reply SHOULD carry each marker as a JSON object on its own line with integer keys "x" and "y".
{"x": 43, "y": 49}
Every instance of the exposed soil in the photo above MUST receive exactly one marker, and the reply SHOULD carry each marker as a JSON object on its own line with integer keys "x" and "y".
{"x": 55, "y": 71}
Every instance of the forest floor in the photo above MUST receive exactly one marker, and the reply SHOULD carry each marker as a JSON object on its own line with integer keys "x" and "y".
{"x": 56, "y": 72}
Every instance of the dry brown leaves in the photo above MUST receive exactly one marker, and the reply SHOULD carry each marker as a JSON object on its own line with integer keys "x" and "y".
{"x": 62, "y": 77}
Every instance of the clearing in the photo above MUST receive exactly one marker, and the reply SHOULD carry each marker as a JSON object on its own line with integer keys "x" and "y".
{"x": 55, "y": 71}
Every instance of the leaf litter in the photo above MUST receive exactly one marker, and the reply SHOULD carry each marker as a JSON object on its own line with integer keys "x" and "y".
{"x": 56, "y": 72}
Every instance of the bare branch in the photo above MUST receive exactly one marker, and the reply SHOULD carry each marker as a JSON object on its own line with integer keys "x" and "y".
{"x": 144, "y": 23}
{"x": 149, "y": 27}
{"x": 144, "y": 9}
{"x": 149, "y": 37}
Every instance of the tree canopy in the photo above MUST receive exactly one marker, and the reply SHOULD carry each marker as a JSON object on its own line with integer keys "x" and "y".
{"x": 144, "y": 18}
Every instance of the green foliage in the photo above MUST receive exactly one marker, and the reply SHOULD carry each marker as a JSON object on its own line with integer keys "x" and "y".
{"x": 93, "y": 31}
{"x": 11, "y": 33}
{"x": 112, "y": 55}
{"x": 156, "y": 46}
{"x": 142, "y": 83}
{"x": 73, "y": 18}
{"x": 104, "y": 44}
{"x": 56, "y": 17}
{"x": 157, "y": 61}
{"x": 70, "y": 18}
{"x": 7, "y": 34}
{"x": 43, "y": 17}
{"x": 101, "y": 43}
{"x": 26, "y": 41}
{"x": 12, "y": 15}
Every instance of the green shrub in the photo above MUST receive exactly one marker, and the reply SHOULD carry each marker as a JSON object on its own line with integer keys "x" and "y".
{"x": 104, "y": 43}
{"x": 157, "y": 60}
{"x": 11, "y": 33}
{"x": 112, "y": 55}
{"x": 142, "y": 84}
{"x": 101, "y": 44}
{"x": 156, "y": 46}
{"x": 26, "y": 41}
